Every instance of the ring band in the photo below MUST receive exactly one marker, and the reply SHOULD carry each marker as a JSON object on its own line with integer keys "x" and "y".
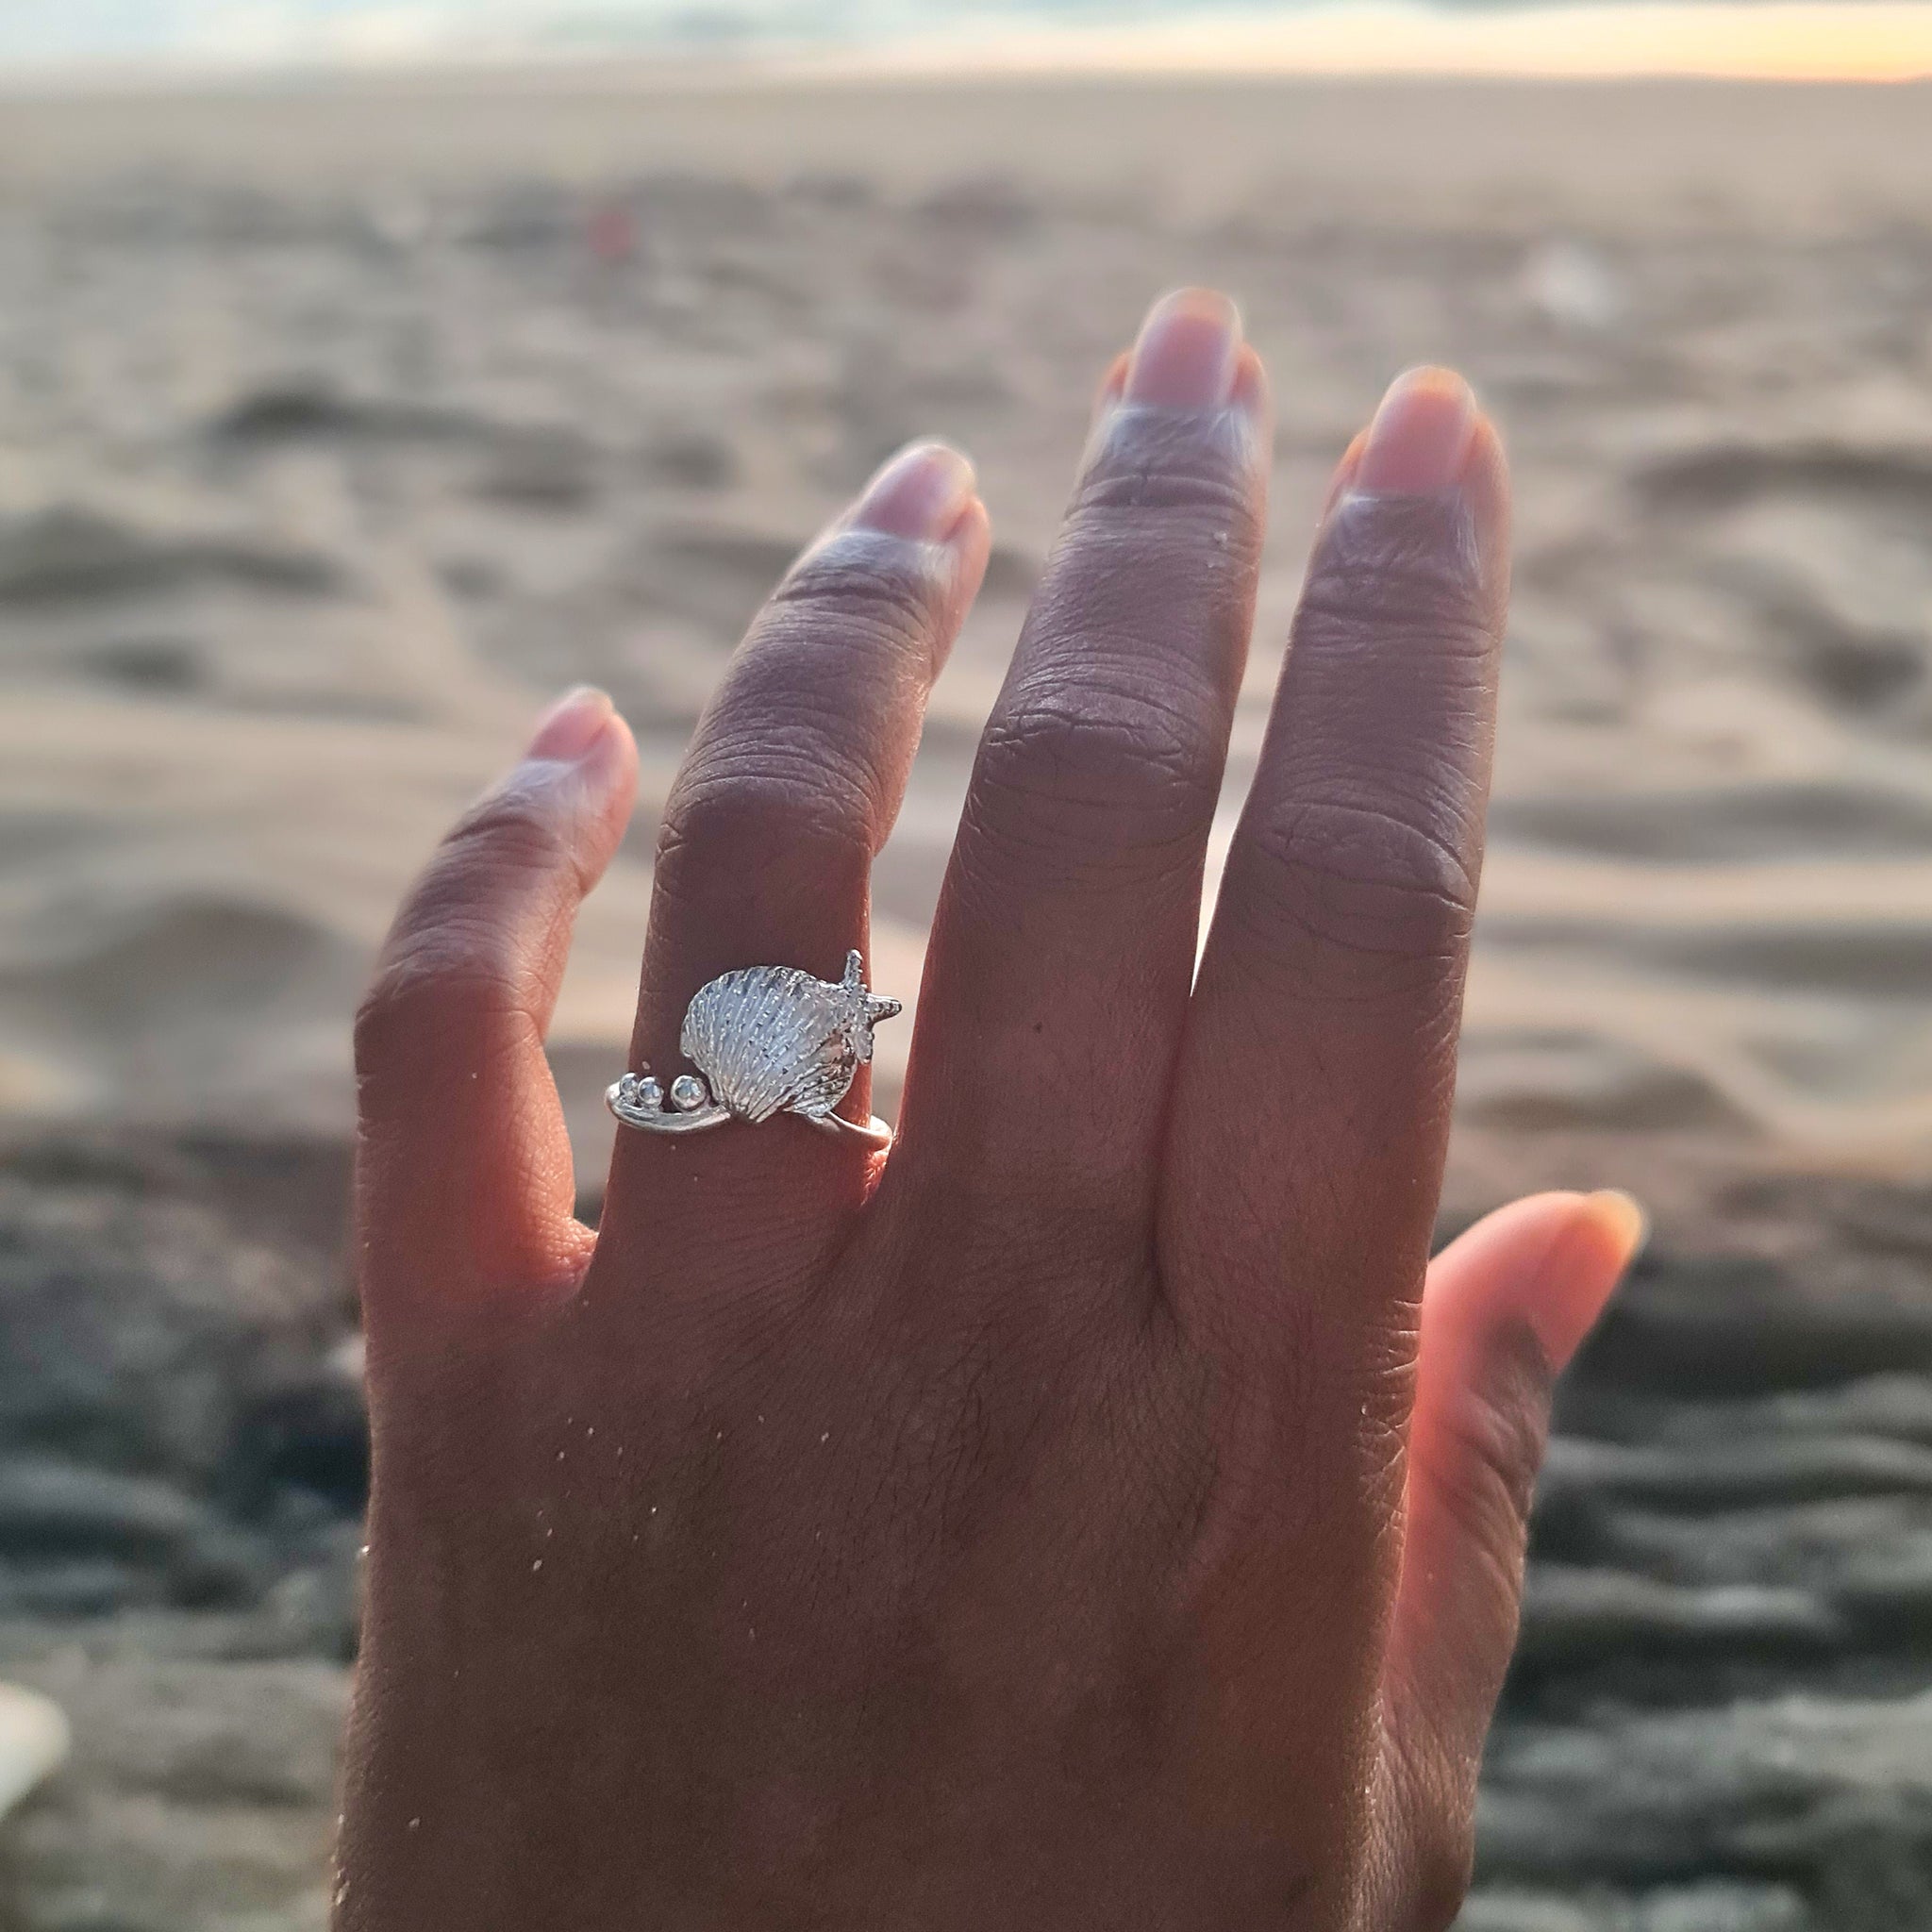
{"x": 766, "y": 1040}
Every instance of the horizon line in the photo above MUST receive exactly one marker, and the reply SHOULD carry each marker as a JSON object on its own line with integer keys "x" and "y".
{"x": 1786, "y": 40}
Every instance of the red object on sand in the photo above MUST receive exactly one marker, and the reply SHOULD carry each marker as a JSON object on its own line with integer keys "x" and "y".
{"x": 613, "y": 233}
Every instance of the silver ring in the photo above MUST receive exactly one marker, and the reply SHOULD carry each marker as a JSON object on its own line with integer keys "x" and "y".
{"x": 765, "y": 1039}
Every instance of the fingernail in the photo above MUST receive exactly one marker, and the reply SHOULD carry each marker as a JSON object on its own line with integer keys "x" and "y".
{"x": 1626, "y": 1216}
{"x": 1186, "y": 356}
{"x": 571, "y": 725}
{"x": 920, "y": 493}
{"x": 1419, "y": 440}
{"x": 1578, "y": 1287}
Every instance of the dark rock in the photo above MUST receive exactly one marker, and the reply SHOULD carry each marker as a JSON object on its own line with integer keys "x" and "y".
{"x": 70, "y": 552}
{"x": 64, "y": 1523}
{"x": 1886, "y": 1585}
{"x": 1898, "y": 1406}
{"x": 1725, "y": 1474}
{"x": 1833, "y": 1797}
{"x": 144, "y": 1334}
{"x": 1721, "y": 1906}
{"x": 1569, "y": 1612}
{"x": 307, "y": 1431}
{"x": 58, "y": 1508}
{"x": 91, "y": 1586}
{"x": 1815, "y": 1546}
{"x": 1733, "y": 1327}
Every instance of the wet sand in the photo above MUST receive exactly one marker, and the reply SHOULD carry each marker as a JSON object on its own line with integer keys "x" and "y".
{"x": 346, "y": 425}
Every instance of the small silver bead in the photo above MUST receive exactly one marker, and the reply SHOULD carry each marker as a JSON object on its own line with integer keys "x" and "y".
{"x": 649, "y": 1093}
{"x": 689, "y": 1093}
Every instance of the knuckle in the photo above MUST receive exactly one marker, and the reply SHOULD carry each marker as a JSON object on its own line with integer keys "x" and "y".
{"x": 1168, "y": 462}
{"x": 1206, "y": 494}
{"x": 435, "y": 984}
{"x": 513, "y": 831}
{"x": 738, "y": 798}
{"x": 800, "y": 744}
{"x": 454, "y": 958}
{"x": 1066, "y": 766}
{"x": 1393, "y": 571}
{"x": 886, "y": 583}
{"x": 1364, "y": 898}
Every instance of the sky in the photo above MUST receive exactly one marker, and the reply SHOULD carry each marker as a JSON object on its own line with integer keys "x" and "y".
{"x": 1864, "y": 39}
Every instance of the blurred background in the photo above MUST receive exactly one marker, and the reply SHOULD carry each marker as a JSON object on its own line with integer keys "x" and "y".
{"x": 370, "y": 372}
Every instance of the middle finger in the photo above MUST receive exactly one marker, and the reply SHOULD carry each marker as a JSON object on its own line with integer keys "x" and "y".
{"x": 1056, "y": 983}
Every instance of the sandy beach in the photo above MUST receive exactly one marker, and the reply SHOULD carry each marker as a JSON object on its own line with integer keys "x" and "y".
{"x": 335, "y": 445}
{"x": 345, "y": 423}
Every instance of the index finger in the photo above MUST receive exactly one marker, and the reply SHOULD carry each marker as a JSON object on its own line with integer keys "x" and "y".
{"x": 1309, "y": 1131}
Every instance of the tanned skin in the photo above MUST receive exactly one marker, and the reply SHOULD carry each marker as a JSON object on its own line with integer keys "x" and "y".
{"x": 1096, "y": 1512}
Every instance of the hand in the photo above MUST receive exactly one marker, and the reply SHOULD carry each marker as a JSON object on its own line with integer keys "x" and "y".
{"x": 1086, "y": 1514}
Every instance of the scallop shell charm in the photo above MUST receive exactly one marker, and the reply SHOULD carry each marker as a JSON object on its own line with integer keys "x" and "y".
{"x": 766, "y": 1040}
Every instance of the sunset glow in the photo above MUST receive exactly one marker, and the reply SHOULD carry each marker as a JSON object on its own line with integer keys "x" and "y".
{"x": 1797, "y": 39}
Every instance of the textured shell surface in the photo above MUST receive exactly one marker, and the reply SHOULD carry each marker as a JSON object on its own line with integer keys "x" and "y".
{"x": 772, "y": 1037}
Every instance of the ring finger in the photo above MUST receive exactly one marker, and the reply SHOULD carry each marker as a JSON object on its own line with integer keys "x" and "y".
{"x": 787, "y": 790}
